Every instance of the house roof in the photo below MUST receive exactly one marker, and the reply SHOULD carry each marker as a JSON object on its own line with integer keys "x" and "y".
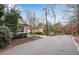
{"x": 22, "y": 22}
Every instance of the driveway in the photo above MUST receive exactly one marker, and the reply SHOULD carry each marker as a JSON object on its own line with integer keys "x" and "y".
{"x": 52, "y": 45}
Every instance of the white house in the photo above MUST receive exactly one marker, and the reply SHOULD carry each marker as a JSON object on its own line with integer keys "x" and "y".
{"x": 23, "y": 27}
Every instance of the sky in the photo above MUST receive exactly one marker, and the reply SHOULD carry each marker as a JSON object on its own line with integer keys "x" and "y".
{"x": 37, "y": 8}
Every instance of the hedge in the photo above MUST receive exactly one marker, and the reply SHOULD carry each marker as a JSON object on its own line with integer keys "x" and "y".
{"x": 20, "y": 35}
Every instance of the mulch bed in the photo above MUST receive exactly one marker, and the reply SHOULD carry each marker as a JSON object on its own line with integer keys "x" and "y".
{"x": 18, "y": 41}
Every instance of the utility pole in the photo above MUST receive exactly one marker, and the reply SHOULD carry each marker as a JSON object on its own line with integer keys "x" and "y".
{"x": 45, "y": 9}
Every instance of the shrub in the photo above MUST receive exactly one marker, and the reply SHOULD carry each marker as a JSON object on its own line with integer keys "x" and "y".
{"x": 31, "y": 32}
{"x": 38, "y": 33}
{"x": 20, "y": 35}
{"x": 5, "y": 36}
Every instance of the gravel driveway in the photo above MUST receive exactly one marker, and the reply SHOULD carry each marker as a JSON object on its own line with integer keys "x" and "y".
{"x": 52, "y": 45}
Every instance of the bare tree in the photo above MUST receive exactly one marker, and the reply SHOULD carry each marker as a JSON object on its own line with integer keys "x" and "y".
{"x": 32, "y": 20}
{"x": 46, "y": 13}
{"x": 74, "y": 17}
{"x": 52, "y": 13}
{"x": 51, "y": 9}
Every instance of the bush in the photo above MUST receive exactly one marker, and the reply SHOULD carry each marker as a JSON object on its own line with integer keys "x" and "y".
{"x": 5, "y": 36}
{"x": 31, "y": 33}
{"x": 20, "y": 35}
{"x": 39, "y": 33}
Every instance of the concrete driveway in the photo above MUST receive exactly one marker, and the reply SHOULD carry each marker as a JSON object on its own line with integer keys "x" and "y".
{"x": 52, "y": 45}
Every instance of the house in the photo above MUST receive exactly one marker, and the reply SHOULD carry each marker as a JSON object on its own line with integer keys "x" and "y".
{"x": 39, "y": 29}
{"x": 23, "y": 27}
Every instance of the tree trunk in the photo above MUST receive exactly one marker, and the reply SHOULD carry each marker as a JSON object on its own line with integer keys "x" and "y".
{"x": 78, "y": 18}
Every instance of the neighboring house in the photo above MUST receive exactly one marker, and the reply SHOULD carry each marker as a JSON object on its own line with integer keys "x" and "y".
{"x": 23, "y": 27}
{"x": 39, "y": 29}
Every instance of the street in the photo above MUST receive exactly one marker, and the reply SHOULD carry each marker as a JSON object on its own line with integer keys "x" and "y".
{"x": 51, "y": 45}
